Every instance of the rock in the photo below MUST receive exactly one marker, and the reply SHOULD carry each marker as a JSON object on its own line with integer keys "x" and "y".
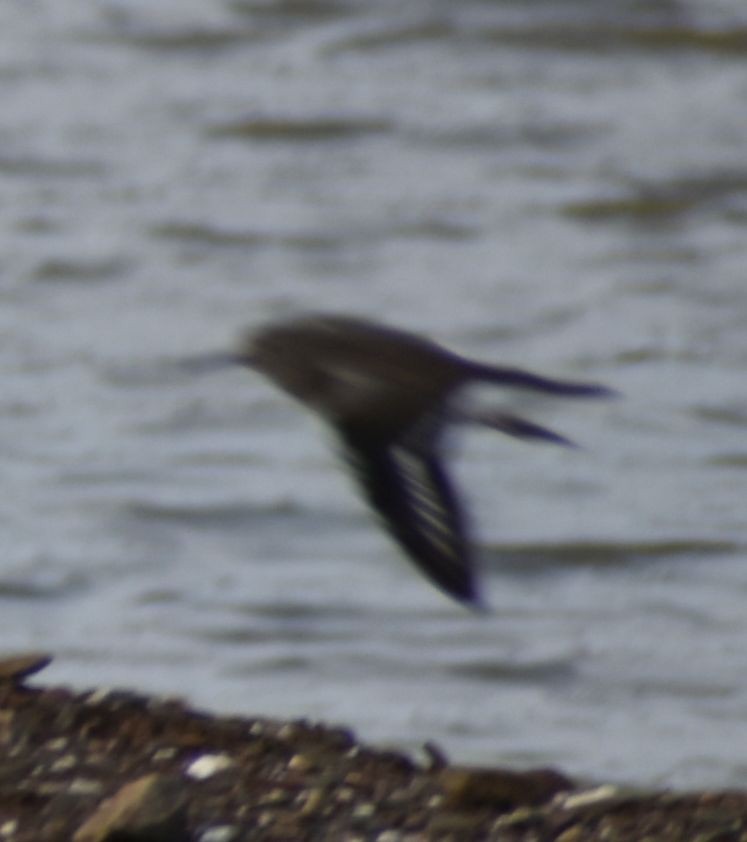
{"x": 207, "y": 765}
{"x": 222, "y": 833}
{"x": 149, "y": 809}
{"x": 15, "y": 668}
{"x": 466, "y": 787}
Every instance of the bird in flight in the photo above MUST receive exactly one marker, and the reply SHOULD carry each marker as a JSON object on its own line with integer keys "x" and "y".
{"x": 389, "y": 395}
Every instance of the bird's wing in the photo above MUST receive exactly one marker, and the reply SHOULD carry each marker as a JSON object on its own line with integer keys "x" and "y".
{"x": 410, "y": 491}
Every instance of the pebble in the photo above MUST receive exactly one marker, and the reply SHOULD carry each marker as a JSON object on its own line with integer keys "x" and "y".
{"x": 208, "y": 765}
{"x": 9, "y": 828}
{"x": 590, "y": 796}
{"x": 64, "y": 764}
{"x": 345, "y": 794}
{"x": 573, "y": 834}
{"x": 220, "y": 833}
{"x": 85, "y": 786}
{"x": 312, "y": 801}
{"x": 287, "y": 731}
{"x": 274, "y": 796}
{"x": 300, "y": 763}
{"x": 96, "y": 697}
{"x": 363, "y": 811}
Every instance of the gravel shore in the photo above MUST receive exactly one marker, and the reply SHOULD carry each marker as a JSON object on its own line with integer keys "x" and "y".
{"x": 114, "y": 766}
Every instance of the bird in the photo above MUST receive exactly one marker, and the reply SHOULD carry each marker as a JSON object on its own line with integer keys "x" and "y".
{"x": 389, "y": 395}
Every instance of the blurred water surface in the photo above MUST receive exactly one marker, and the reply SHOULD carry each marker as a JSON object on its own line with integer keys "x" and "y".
{"x": 561, "y": 185}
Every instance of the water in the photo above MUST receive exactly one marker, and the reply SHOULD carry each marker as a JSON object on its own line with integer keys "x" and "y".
{"x": 560, "y": 185}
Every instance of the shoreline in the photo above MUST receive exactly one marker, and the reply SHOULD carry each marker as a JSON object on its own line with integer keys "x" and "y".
{"x": 110, "y": 764}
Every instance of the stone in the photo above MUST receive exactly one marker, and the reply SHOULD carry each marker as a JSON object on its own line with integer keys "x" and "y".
{"x": 467, "y": 788}
{"x": 207, "y": 765}
{"x": 148, "y": 809}
{"x": 15, "y": 668}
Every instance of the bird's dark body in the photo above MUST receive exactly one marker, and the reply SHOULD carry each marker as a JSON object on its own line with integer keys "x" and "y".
{"x": 356, "y": 374}
{"x": 388, "y": 394}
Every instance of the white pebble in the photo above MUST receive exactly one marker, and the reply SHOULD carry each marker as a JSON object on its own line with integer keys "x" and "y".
{"x": 221, "y": 833}
{"x": 208, "y": 765}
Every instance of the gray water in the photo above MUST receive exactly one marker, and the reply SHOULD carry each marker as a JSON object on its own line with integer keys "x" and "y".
{"x": 561, "y": 185}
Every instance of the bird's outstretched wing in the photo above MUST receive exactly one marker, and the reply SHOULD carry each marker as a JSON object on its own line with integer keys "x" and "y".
{"x": 409, "y": 490}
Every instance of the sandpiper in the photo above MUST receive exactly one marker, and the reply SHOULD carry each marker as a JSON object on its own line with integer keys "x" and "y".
{"x": 389, "y": 394}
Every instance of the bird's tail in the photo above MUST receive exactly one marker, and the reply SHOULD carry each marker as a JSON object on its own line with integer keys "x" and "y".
{"x": 516, "y": 378}
{"x": 520, "y": 428}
